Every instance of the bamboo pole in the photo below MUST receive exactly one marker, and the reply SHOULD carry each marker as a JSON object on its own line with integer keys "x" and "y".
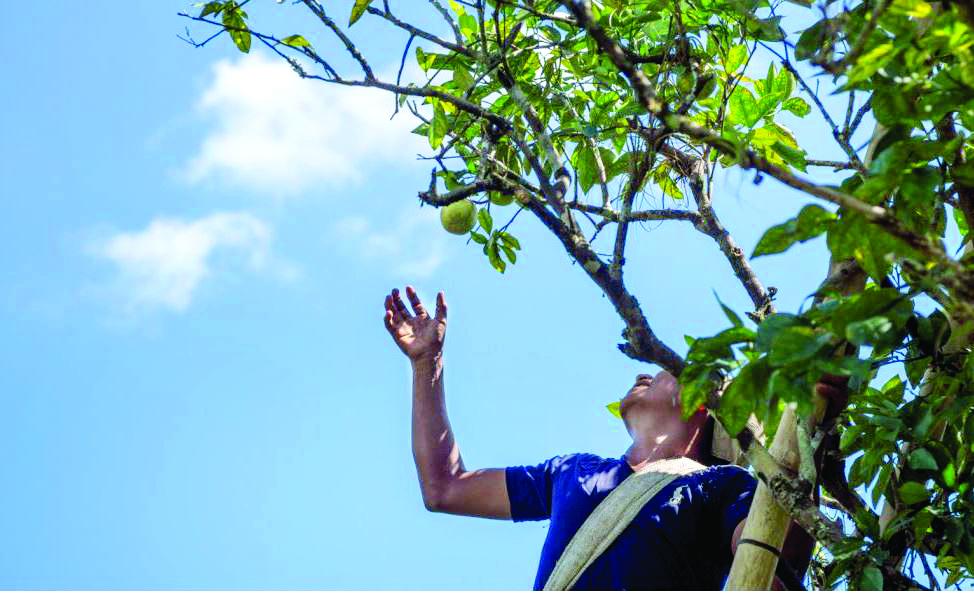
{"x": 767, "y": 523}
{"x": 754, "y": 565}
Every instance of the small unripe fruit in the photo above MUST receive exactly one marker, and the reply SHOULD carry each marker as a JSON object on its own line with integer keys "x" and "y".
{"x": 501, "y": 200}
{"x": 459, "y": 217}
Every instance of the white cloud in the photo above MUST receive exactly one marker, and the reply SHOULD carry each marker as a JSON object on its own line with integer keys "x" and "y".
{"x": 278, "y": 134}
{"x": 414, "y": 245}
{"x": 162, "y": 265}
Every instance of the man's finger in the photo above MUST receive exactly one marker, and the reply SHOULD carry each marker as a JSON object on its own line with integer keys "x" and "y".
{"x": 441, "y": 307}
{"x": 388, "y": 320}
{"x": 401, "y": 308}
{"x": 391, "y": 308}
{"x": 418, "y": 306}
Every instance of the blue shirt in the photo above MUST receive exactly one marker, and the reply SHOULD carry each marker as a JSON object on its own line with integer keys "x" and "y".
{"x": 680, "y": 539}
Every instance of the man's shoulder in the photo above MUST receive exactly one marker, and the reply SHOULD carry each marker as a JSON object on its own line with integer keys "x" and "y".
{"x": 581, "y": 463}
{"x": 728, "y": 474}
{"x": 583, "y": 458}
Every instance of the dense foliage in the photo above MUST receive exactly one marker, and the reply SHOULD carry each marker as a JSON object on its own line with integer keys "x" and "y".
{"x": 572, "y": 111}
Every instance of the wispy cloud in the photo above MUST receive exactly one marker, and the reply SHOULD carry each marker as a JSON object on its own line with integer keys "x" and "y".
{"x": 277, "y": 134}
{"x": 161, "y": 266}
{"x": 413, "y": 246}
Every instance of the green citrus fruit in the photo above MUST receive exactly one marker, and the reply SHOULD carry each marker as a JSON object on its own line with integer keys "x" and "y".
{"x": 459, "y": 217}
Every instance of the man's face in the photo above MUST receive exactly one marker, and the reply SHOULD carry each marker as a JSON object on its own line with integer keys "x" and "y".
{"x": 657, "y": 394}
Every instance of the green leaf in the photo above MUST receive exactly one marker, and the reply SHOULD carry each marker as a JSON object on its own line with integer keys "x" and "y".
{"x": 913, "y": 492}
{"x": 736, "y": 58}
{"x": 922, "y": 460}
{"x": 811, "y": 221}
{"x": 211, "y": 8}
{"x": 462, "y": 78}
{"x": 613, "y": 408}
{"x": 848, "y": 438}
{"x": 479, "y": 238}
{"x": 868, "y": 331}
{"x": 508, "y": 239}
{"x": 949, "y": 475}
{"x": 764, "y": 29}
{"x": 792, "y": 156}
{"x": 494, "y": 257}
{"x": 738, "y": 401}
{"x": 666, "y": 184}
{"x": 795, "y": 344}
{"x": 586, "y": 170}
{"x": 730, "y": 314}
{"x": 871, "y": 579}
{"x": 784, "y": 83}
{"x": 438, "y": 127}
{"x": 509, "y": 252}
{"x": 773, "y": 325}
{"x": 812, "y": 40}
{"x": 962, "y": 225}
{"x": 853, "y": 237}
{"x": 921, "y": 523}
{"x": 486, "y": 221}
{"x": 882, "y": 482}
{"x": 870, "y": 62}
{"x": 743, "y": 108}
{"x": 296, "y": 41}
{"x": 468, "y": 25}
{"x": 423, "y": 59}
{"x": 873, "y": 301}
{"x": 236, "y": 26}
{"x": 797, "y": 106}
{"x": 358, "y": 9}
{"x": 719, "y": 345}
{"x": 769, "y": 103}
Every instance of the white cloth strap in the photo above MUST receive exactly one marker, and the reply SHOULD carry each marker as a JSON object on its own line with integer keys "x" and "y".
{"x": 612, "y": 516}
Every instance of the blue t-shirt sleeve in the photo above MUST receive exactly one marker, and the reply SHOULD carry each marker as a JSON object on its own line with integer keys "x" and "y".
{"x": 529, "y": 489}
{"x": 733, "y": 491}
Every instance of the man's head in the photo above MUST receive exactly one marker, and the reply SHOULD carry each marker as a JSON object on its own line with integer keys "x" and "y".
{"x": 652, "y": 413}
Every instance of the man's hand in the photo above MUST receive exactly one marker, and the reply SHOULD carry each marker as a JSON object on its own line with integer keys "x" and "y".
{"x": 446, "y": 484}
{"x": 835, "y": 391}
{"x": 418, "y": 336}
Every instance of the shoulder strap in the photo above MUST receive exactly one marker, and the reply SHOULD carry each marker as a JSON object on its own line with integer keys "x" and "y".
{"x": 611, "y": 516}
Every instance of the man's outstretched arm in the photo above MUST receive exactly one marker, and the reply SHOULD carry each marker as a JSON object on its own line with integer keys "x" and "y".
{"x": 446, "y": 484}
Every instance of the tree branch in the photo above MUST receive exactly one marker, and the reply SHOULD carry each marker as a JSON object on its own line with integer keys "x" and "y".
{"x": 319, "y": 12}
{"x": 635, "y": 182}
{"x": 641, "y": 342}
{"x": 709, "y": 224}
{"x": 412, "y": 30}
{"x": 431, "y": 196}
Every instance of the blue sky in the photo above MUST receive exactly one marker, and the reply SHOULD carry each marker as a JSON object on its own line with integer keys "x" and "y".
{"x": 196, "y": 388}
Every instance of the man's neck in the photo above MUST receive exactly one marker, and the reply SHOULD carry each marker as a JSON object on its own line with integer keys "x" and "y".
{"x": 646, "y": 449}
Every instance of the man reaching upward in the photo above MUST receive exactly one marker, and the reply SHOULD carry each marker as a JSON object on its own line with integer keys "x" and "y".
{"x": 684, "y": 536}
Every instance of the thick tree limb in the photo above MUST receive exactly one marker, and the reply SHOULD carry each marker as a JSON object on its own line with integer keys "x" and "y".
{"x": 641, "y": 342}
